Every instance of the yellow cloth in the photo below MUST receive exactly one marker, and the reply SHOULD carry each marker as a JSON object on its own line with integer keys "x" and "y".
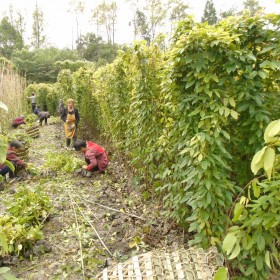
{"x": 67, "y": 126}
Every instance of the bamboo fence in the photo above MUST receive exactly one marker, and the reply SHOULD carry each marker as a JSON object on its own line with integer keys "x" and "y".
{"x": 12, "y": 86}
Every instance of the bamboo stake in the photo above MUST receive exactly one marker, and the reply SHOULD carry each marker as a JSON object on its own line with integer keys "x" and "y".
{"x": 82, "y": 199}
{"x": 89, "y": 222}
{"x": 80, "y": 239}
{"x": 116, "y": 210}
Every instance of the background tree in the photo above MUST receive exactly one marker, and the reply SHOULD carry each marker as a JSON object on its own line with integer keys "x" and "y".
{"x": 209, "y": 13}
{"x": 178, "y": 10}
{"x": 10, "y": 39}
{"x": 20, "y": 24}
{"x": 78, "y": 8}
{"x": 17, "y": 20}
{"x": 38, "y": 37}
{"x": 156, "y": 12}
{"x": 40, "y": 65}
{"x": 141, "y": 26}
{"x": 154, "y": 15}
{"x": 253, "y": 6}
{"x": 231, "y": 12}
{"x": 106, "y": 15}
{"x": 93, "y": 48}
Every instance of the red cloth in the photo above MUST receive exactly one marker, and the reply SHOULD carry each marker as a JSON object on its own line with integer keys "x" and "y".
{"x": 97, "y": 156}
{"x": 19, "y": 120}
{"x": 12, "y": 157}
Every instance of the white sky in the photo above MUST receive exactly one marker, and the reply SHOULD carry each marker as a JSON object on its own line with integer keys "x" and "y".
{"x": 61, "y": 28}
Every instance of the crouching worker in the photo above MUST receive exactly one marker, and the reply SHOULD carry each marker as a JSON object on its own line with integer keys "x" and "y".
{"x": 18, "y": 121}
{"x": 43, "y": 116}
{"x": 12, "y": 151}
{"x": 95, "y": 156}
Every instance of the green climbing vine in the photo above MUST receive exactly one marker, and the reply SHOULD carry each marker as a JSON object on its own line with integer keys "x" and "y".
{"x": 252, "y": 243}
{"x": 190, "y": 120}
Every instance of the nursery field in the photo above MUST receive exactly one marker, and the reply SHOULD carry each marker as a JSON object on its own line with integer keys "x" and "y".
{"x": 92, "y": 222}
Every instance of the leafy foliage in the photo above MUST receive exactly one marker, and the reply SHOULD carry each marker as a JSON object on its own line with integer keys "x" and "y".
{"x": 38, "y": 36}
{"x": 181, "y": 118}
{"x": 209, "y": 13}
{"x": 62, "y": 162}
{"x": 42, "y": 65}
{"x": 253, "y": 242}
{"x": 22, "y": 227}
{"x": 10, "y": 39}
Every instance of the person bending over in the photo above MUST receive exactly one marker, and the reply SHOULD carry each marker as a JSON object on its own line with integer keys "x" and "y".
{"x": 95, "y": 156}
{"x": 43, "y": 116}
{"x": 12, "y": 151}
{"x": 18, "y": 121}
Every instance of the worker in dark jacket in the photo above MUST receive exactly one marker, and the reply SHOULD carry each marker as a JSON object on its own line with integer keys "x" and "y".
{"x": 43, "y": 116}
{"x": 11, "y": 156}
{"x": 71, "y": 118}
{"x": 37, "y": 110}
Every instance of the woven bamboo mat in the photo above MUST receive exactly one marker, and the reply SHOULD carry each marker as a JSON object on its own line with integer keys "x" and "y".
{"x": 182, "y": 264}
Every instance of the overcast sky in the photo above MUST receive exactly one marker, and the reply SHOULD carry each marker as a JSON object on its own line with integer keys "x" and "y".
{"x": 61, "y": 27}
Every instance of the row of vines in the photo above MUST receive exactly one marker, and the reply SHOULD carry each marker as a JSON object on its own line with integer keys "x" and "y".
{"x": 189, "y": 122}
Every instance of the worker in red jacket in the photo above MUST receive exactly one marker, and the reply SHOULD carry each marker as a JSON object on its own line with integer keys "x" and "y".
{"x": 95, "y": 156}
{"x": 17, "y": 121}
{"x": 12, "y": 151}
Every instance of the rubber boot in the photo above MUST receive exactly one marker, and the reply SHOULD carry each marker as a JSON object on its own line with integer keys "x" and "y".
{"x": 68, "y": 141}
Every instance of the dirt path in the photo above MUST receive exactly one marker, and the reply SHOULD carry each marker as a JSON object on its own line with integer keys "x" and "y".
{"x": 94, "y": 221}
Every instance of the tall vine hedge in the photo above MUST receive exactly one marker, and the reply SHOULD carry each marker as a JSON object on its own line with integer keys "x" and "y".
{"x": 189, "y": 120}
{"x": 218, "y": 79}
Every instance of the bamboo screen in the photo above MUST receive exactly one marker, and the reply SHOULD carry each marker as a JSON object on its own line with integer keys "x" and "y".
{"x": 12, "y": 86}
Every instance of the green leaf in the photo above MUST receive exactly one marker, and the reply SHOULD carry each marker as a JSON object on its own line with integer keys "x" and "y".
{"x": 262, "y": 74}
{"x": 227, "y": 111}
{"x": 232, "y": 102}
{"x": 270, "y": 64}
{"x": 9, "y": 276}
{"x": 267, "y": 259}
{"x": 256, "y": 190}
{"x": 234, "y": 114}
{"x": 4, "y": 269}
{"x": 221, "y": 274}
{"x": 270, "y": 131}
{"x": 221, "y": 111}
{"x": 238, "y": 209}
{"x": 261, "y": 243}
{"x": 229, "y": 242}
{"x": 3, "y": 149}
{"x": 249, "y": 270}
{"x": 259, "y": 262}
{"x": 252, "y": 57}
{"x": 4, "y": 243}
{"x": 274, "y": 130}
{"x": 10, "y": 165}
{"x": 3, "y": 106}
{"x": 189, "y": 84}
{"x": 235, "y": 252}
{"x": 269, "y": 157}
{"x": 257, "y": 161}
